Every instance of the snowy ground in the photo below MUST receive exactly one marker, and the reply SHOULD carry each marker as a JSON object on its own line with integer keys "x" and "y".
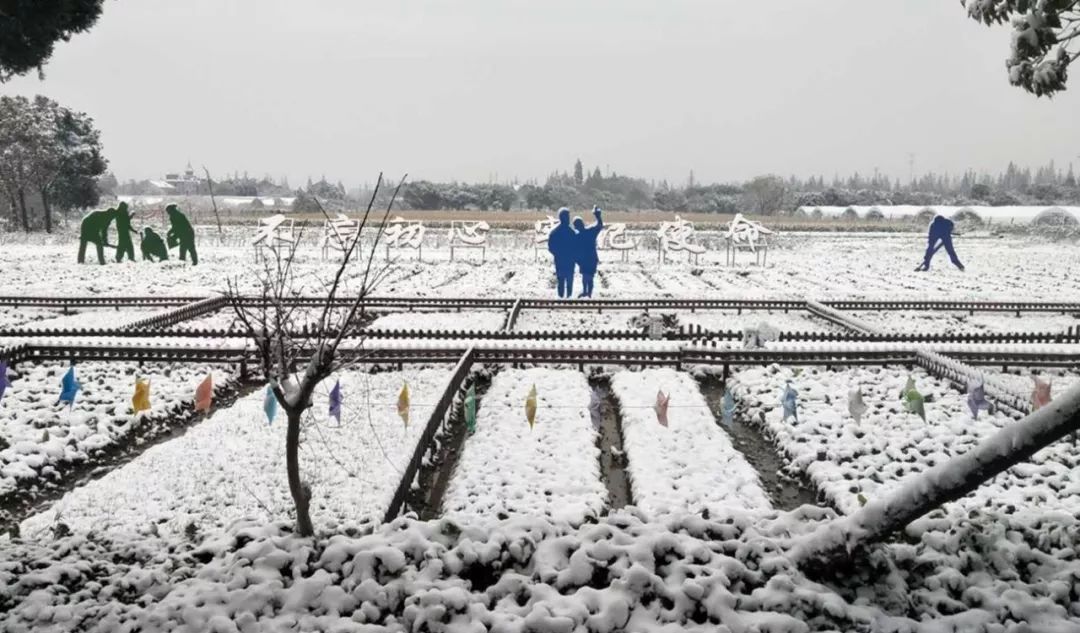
{"x": 86, "y": 318}
{"x": 471, "y": 321}
{"x": 508, "y": 468}
{"x": 829, "y": 266}
{"x": 192, "y": 535}
{"x": 43, "y": 434}
{"x": 25, "y": 316}
{"x": 232, "y": 465}
{"x": 689, "y": 466}
{"x": 935, "y": 322}
{"x": 712, "y": 320}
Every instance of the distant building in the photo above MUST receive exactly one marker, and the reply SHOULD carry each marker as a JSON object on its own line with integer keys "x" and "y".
{"x": 181, "y": 184}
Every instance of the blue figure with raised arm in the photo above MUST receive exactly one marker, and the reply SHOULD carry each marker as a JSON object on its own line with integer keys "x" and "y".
{"x": 587, "y": 258}
{"x": 941, "y": 232}
{"x": 561, "y": 243}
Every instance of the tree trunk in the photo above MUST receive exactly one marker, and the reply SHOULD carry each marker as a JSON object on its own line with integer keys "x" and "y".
{"x": 213, "y": 200}
{"x": 947, "y": 482}
{"x": 22, "y": 211}
{"x": 14, "y": 209}
{"x": 301, "y": 494}
{"x": 46, "y": 210}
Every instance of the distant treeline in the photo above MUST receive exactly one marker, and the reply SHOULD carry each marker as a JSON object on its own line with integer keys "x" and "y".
{"x": 763, "y": 195}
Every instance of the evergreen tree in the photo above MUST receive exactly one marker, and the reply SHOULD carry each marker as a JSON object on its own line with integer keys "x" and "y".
{"x": 1044, "y": 43}
{"x": 579, "y": 172}
{"x": 29, "y": 31}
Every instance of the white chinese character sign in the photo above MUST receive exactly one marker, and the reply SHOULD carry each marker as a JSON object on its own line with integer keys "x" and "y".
{"x": 469, "y": 235}
{"x": 747, "y": 235}
{"x": 402, "y": 233}
{"x": 676, "y": 237}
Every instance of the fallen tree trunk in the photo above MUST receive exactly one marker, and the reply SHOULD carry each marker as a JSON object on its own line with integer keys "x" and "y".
{"x": 1017, "y": 442}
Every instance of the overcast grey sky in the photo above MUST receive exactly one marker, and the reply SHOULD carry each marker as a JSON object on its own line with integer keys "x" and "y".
{"x": 471, "y": 88}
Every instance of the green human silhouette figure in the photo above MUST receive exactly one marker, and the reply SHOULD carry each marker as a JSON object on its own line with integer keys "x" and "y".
{"x": 123, "y": 233}
{"x": 153, "y": 246}
{"x": 181, "y": 234}
{"x": 95, "y": 230}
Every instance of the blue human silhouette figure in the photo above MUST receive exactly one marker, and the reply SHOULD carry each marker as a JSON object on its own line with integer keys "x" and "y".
{"x": 587, "y": 259}
{"x": 941, "y": 231}
{"x": 561, "y": 243}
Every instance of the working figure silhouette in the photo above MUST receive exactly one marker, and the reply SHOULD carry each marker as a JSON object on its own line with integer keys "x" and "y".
{"x": 941, "y": 232}
{"x": 562, "y": 245}
{"x": 587, "y": 258}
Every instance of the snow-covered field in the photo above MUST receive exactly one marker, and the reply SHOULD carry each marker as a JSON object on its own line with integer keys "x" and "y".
{"x": 689, "y": 466}
{"x": 826, "y": 266}
{"x": 232, "y": 465}
{"x": 194, "y": 534}
{"x": 509, "y": 469}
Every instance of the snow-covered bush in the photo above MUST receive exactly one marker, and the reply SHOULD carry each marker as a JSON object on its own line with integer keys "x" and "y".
{"x": 925, "y": 216}
{"x": 1054, "y": 216}
{"x": 968, "y": 217}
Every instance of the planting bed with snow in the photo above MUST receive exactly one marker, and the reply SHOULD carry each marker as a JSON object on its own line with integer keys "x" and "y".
{"x": 690, "y": 465}
{"x": 1020, "y": 379}
{"x": 711, "y": 320}
{"x": 473, "y": 320}
{"x": 232, "y": 465}
{"x": 41, "y": 435}
{"x": 846, "y": 460}
{"x": 508, "y": 469}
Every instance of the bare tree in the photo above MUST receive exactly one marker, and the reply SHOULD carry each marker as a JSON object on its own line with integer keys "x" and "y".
{"x": 213, "y": 200}
{"x": 271, "y": 321}
{"x": 765, "y": 195}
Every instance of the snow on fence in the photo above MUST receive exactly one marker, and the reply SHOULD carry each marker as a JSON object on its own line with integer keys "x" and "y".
{"x": 507, "y": 468}
{"x": 689, "y": 466}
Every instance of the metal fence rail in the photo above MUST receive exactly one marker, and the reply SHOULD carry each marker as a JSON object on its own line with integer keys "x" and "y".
{"x": 673, "y": 355}
{"x": 439, "y": 417}
{"x": 142, "y": 329}
{"x": 958, "y": 306}
{"x": 181, "y": 314}
{"x": 506, "y": 303}
{"x": 95, "y": 301}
